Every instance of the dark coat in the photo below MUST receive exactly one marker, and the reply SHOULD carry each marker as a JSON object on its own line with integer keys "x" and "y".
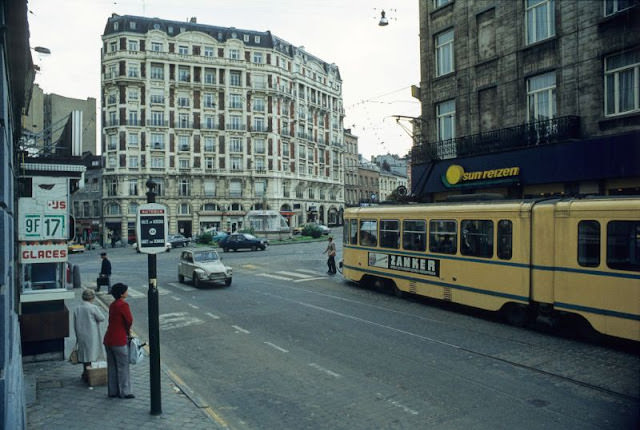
{"x": 105, "y": 270}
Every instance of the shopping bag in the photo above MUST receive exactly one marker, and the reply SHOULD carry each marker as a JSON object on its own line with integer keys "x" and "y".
{"x": 136, "y": 350}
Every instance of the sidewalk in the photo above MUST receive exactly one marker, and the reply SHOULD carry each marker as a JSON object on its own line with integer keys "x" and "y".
{"x": 58, "y": 399}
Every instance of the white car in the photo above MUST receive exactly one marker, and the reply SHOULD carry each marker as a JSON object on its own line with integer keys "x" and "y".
{"x": 203, "y": 265}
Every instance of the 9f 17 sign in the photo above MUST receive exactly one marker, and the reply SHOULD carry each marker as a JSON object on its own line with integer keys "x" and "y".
{"x": 151, "y": 228}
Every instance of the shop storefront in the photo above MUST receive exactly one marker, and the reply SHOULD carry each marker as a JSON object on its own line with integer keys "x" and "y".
{"x": 602, "y": 166}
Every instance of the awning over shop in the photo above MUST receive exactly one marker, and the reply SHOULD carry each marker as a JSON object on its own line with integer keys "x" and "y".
{"x": 584, "y": 160}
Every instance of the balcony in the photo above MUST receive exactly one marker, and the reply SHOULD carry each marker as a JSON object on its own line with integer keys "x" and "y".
{"x": 538, "y": 133}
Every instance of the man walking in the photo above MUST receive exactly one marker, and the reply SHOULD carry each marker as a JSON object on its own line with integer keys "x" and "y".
{"x": 105, "y": 273}
{"x": 331, "y": 252}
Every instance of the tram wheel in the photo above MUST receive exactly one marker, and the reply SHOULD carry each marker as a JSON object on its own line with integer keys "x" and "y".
{"x": 397, "y": 291}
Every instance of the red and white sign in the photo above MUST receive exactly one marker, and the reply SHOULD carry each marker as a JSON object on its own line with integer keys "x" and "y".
{"x": 54, "y": 253}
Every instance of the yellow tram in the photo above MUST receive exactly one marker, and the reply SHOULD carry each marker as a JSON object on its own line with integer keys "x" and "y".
{"x": 528, "y": 258}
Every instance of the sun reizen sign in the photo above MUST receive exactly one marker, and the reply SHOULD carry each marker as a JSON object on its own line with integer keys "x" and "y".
{"x": 151, "y": 228}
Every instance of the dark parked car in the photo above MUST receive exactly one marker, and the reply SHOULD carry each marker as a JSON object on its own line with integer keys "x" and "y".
{"x": 237, "y": 241}
{"x": 178, "y": 240}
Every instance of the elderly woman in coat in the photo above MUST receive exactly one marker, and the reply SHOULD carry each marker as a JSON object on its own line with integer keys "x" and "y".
{"x": 86, "y": 323}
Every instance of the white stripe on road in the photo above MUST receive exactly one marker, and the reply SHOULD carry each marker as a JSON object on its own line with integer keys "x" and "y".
{"x": 241, "y": 329}
{"x": 313, "y": 272}
{"x": 276, "y": 347}
{"x": 177, "y": 320}
{"x": 295, "y": 275}
{"x": 193, "y": 306}
{"x": 180, "y": 286}
{"x": 310, "y": 279}
{"x": 267, "y": 275}
{"x": 323, "y": 370}
{"x": 215, "y": 317}
{"x": 176, "y": 298}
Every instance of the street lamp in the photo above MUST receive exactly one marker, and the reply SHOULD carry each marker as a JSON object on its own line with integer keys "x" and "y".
{"x": 42, "y": 50}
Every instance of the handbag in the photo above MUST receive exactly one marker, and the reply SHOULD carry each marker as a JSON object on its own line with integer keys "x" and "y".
{"x": 136, "y": 350}
{"x": 73, "y": 357}
{"x": 102, "y": 281}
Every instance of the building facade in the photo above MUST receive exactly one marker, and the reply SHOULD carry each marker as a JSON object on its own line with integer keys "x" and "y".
{"x": 552, "y": 108}
{"x": 368, "y": 184}
{"x": 351, "y": 162}
{"x": 16, "y": 79}
{"x": 49, "y": 114}
{"x": 222, "y": 120}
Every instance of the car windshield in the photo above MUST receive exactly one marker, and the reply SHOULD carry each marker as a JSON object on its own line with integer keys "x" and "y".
{"x": 205, "y": 256}
{"x": 249, "y": 236}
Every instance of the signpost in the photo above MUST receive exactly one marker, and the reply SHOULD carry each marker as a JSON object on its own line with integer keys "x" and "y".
{"x": 151, "y": 230}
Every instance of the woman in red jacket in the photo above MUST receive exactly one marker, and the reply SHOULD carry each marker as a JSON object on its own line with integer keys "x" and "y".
{"x": 116, "y": 343}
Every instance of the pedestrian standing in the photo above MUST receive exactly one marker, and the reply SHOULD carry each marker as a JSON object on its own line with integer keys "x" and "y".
{"x": 331, "y": 252}
{"x": 105, "y": 272}
{"x": 117, "y": 345}
{"x": 86, "y": 323}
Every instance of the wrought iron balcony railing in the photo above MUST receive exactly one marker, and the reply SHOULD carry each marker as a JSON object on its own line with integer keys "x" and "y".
{"x": 526, "y": 135}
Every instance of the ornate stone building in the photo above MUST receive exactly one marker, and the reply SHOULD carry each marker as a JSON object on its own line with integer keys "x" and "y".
{"x": 222, "y": 120}
{"x": 528, "y": 98}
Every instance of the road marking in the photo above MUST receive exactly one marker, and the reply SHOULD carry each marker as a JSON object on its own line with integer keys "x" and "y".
{"x": 268, "y": 275}
{"x": 323, "y": 370}
{"x": 181, "y": 287}
{"x": 193, "y": 306}
{"x": 241, "y": 329}
{"x": 249, "y": 266}
{"x": 135, "y": 294}
{"x": 397, "y": 404}
{"x": 313, "y": 272}
{"x": 297, "y": 275}
{"x": 175, "y": 320}
{"x": 215, "y": 317}
{"x": 310, "y": 279}
{"x": 276, "y": 347}
{"x": 177, "y": 299}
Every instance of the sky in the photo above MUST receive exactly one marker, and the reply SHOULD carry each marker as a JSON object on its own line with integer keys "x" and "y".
{"x": 377, "y": 64}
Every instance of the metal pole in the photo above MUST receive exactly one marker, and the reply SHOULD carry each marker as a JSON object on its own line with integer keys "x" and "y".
{"x": 154, "y": 323}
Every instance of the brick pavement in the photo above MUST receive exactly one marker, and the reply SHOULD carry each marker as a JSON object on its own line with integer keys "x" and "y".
{"x": 59, "y": 399}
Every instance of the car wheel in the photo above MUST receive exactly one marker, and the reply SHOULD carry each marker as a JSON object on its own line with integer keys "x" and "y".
{"x": 180, "y": 278}
{"x": 196, "y": 281}
{"x": 253, "y": 248}
{"x": 263, "y": 247}
{"x": 225, "y": 249}
{"x": 227, "y": 282}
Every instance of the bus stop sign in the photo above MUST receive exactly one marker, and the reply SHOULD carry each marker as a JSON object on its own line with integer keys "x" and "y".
{"x": 151, "y": 228}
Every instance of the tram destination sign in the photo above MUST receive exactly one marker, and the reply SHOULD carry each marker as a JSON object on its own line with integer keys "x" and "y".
{"x": 151, "y": 228}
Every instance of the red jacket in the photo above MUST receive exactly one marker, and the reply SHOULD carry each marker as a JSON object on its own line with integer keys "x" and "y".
{"x": 120, "y": 321}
